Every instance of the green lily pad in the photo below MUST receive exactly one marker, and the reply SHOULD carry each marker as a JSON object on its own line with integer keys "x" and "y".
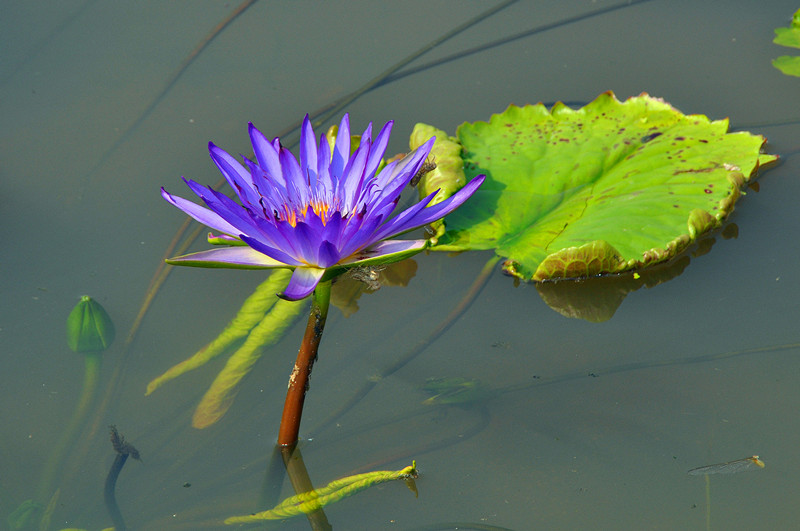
{"x": 788, "y": 37}
{"x": 607, "y": 188}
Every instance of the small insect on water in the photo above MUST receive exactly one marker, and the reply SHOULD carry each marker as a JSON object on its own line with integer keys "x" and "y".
{"x": 730, "y": 467}
{"x": 427, "y": 166}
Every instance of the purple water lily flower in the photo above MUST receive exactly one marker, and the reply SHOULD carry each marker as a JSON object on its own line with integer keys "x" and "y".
{"x": 326, "y": 213}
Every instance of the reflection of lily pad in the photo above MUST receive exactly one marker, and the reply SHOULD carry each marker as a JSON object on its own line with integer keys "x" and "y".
{"x": 348, "y": 288}
{"x": 789, "y": 37}
{"x": 611, "y": 187}
{"x": 597, "y": 299}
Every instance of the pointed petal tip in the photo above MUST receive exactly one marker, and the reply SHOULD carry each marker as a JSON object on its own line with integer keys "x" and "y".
{"x": 303, "y": 283}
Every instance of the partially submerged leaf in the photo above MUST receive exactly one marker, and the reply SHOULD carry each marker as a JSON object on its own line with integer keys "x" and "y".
{"x": 334, "y": 491}
{"x": 611, "y": 187}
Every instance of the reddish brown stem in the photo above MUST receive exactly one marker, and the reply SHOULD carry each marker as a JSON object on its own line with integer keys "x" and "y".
{"x": 298, "y": 381}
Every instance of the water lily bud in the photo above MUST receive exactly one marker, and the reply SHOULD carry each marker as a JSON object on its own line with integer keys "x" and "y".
{"x": 89, "y": 327}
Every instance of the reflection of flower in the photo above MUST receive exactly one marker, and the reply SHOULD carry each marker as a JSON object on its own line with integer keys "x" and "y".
{"x": 327, "y": 212}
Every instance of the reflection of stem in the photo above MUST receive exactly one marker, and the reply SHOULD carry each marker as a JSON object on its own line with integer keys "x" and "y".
{"x": 478, "y": 284}
{"x": 301, "y": 482}
{"x": 298, "y": 381}
{"x": 91, "y": 374}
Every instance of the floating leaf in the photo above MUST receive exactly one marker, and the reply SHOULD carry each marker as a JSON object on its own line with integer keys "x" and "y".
{"x": 788, "y": 65}
{"x": 610, "y": 187}
{"x": 788, "y": 37}
{"x": 311, "y": 501}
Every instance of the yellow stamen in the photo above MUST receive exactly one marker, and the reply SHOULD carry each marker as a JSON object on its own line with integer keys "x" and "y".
{"x": 320, "y": 208}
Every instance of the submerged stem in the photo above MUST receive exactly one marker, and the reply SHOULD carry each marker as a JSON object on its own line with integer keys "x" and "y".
{"x": 298, "y": 381}
{"x": 55, "y": 462}
{"x": 123, "y": 449}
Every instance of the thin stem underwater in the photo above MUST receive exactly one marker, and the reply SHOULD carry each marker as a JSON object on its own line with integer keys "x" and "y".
{"x": 298, "y": 381}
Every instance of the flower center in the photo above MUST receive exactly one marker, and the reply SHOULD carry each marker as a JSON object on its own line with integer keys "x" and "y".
{"x": 319, "y": 207}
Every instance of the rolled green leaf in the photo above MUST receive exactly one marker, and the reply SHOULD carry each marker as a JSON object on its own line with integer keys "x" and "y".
{"x": 448, "y": 176}
{"x": 308, "y": 502}
{"x": 89, "y": 327}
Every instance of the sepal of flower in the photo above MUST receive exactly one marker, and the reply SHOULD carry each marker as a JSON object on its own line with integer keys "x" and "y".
{"x": 320, "y": 214}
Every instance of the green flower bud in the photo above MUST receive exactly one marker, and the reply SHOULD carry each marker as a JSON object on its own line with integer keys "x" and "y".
{"x": 89, "y": 327}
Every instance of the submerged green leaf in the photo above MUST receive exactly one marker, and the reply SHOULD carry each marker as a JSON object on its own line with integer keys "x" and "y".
{"x": 219, "y": 397}
{"x": 455, "y": 390}
{"x": 610, "y": 187}
{"x": 24, "y": 515}
{"x": 249, "y": 315}
{"x": 788, "y": 37}
{"x": 334, "y": 491}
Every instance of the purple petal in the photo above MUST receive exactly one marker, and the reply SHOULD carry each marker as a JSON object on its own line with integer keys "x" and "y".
{"x": 410, "y": 162}
{"x": 378, "y": 149}
{"x": 328, "y": 255}
{"x": 307, "y": 242}
{"x": 308, "y": 150}
{"x": 271, "y": 252}
{"x": 356, "y": 238}
{"x": 228, "y": 257}
{"x": 382, "y": 252}
{"x": 237, "y": 176}
{"x": 266, "y": 155}
{"x": 272, "y": 235}
{"x": 353, "y": 176}
{"x": 405, "y": 217}
{"x": 430, "y": 214}
{"x": 398, "y": 177}
{"x": 324, "y": 162}
{"x": 203, "y": 215}
{"x": 223, "y": 205}
{"x": 296, "y": 182}
{"x": 302, "y": 284}
{"x": 341, "y": 150}
{"x": 333, "y": 229}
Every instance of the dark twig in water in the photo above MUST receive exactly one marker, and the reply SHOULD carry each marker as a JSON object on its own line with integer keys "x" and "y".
{"x": 324, "y": 114}
{"x": 213, "y": 34}
{"x": 123, "y": 449}
{"x": 505, "y": 40}
{"x": 477, "y": 285}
